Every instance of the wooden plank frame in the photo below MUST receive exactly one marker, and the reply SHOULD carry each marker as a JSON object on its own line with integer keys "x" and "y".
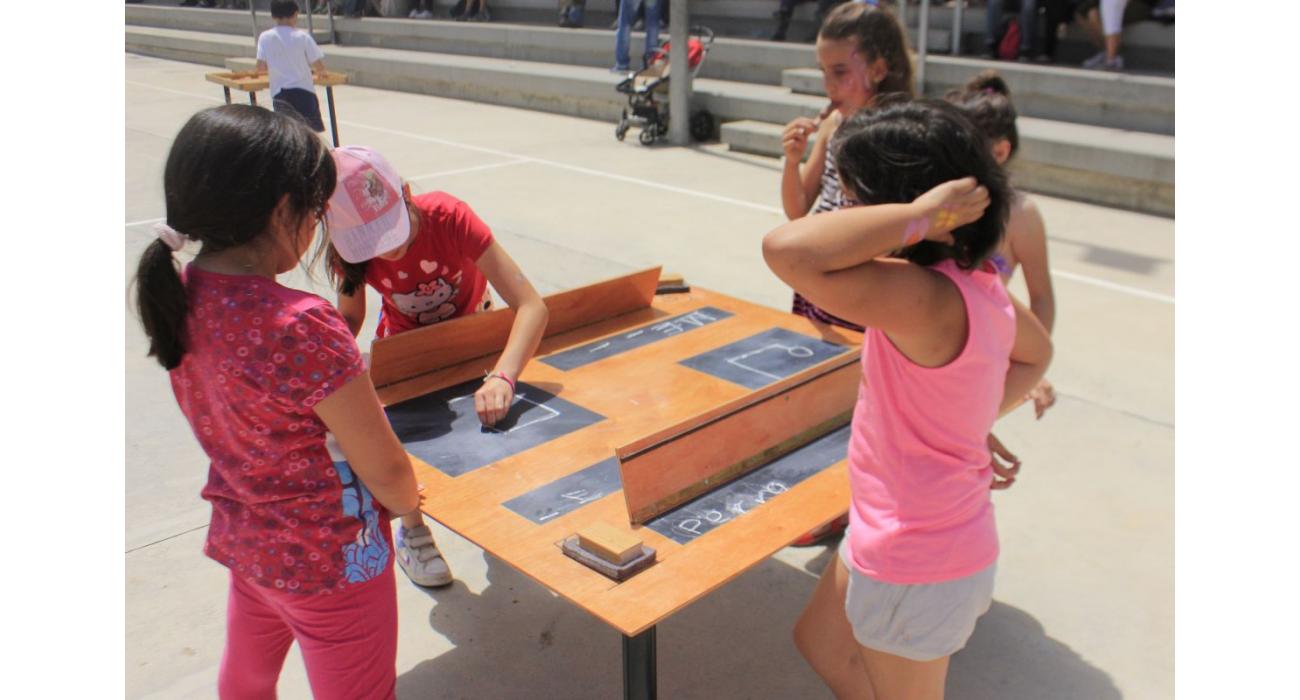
{"x": 251, "y": 81}
{"x": 666, "y": 469}
{"x": 408, "y": 355}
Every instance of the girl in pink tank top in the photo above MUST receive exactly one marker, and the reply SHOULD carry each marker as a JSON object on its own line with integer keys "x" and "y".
{"x": 946, "y": 351}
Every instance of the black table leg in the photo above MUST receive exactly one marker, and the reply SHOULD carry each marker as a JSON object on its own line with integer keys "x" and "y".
{"x": 252, "y": 98}
{"x": 639, "y": 678}
{"x": 226, "y": 89}
{"x": 334, "y": 120}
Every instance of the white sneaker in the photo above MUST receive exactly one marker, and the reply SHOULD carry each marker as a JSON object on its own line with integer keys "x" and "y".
{"x": 1117, "y": 64}
{"x": 1096, "y": 61}
{"x": 425, "y": 14}
{"x": 419, "y": 557}
{"x": 415, "y": 13}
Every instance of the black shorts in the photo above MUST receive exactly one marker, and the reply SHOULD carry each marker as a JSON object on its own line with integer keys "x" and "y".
{"x": 299, "y": 103}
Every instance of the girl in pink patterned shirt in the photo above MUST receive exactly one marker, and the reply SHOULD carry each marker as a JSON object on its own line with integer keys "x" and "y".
{"x": 305, "y": 471}
{"x": 945, "y": 352}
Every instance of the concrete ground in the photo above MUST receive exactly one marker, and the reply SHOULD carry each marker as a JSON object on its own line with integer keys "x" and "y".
{"x": 1084, "y": 601}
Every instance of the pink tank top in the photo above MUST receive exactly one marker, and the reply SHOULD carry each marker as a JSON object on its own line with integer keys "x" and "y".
{"x": 918, "y": 456}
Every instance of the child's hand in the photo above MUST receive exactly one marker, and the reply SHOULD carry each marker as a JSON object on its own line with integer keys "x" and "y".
{"x": 952, "y": 205}
{"x": 493, "y": 400}
{"x": 1044, "y": 396}
{"x": 794, "y": 140}
{"x": 1006, "y": 474}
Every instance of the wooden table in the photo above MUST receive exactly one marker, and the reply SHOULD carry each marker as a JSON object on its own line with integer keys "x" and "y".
{"x": 251, "y": 82}
{"x": 638, "y": 392}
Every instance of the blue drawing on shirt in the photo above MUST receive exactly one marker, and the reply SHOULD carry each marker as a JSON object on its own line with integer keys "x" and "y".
{"x": 367, "y": 557}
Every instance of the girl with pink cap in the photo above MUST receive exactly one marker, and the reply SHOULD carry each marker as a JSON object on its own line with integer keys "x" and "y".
{"x": 430, "y": 258}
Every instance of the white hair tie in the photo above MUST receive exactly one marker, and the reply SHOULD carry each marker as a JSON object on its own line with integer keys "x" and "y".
{"x": 173, "y": 238}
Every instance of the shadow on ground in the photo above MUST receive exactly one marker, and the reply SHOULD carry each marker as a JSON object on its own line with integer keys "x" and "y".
{"x": 517, "y": 640}
{"x": 1010, "y": 657}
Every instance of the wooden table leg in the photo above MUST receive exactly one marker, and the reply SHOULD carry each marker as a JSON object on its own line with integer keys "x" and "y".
{"x": 226, "y": 89}
{"x": 639, "y": 674}
{"x": 334, "y": 120}
{"x": 252, "y": 98}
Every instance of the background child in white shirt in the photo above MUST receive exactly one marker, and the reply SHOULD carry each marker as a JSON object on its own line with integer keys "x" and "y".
{"x": 290, "y": 56}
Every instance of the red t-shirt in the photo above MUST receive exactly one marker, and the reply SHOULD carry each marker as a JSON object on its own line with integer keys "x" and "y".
{"x": 437, "y": 279}
{"x": 287, "y": 511}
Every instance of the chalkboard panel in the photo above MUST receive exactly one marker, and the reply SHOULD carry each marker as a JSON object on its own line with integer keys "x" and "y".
{"x": 633, "y": 339}
{"x": 443, "y": 428}
{"x": 759, "y": 360}
{"x": 688, "y": 521}
{"x": 569, "y": 493}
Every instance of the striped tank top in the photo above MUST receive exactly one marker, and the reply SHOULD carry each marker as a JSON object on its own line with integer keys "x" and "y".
{"x": 830, "y": 198}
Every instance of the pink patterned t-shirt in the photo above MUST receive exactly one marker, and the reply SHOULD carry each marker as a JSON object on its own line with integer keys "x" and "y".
{"x": 287, "y": 511}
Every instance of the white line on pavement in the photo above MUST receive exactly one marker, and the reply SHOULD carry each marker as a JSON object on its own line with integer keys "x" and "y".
{"x": 142, "y": 222}
{"x": 516, "y": 158}
{"x": 460, "y": 171}
{"x": 1104, "y": 284}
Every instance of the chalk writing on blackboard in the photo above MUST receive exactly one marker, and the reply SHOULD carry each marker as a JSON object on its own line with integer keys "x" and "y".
{"x": 631, "y": 340}
{"x": 721, "y": 506}
{"x": 766, "y": 357}
{"x": 568, "y": 493}
{"x": 443, "y": 428}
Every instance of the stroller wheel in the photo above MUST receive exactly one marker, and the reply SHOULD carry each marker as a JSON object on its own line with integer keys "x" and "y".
{"x": 702, "y": 125}
{"x": 648, "y": 135}
{"x": 620, "y": 131}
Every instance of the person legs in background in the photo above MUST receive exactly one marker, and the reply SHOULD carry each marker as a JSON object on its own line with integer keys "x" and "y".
{"x": 1057, "y": 13}
{"x": 475, "y": 11}
{"x": 784, "y": 12}
{"x": 653, "y": 8}
{"x": 422, "y": 9}
{"x": 623, "y": 36}
{"x": 1104, "y": 22}
{"x": 1028, "y": 20}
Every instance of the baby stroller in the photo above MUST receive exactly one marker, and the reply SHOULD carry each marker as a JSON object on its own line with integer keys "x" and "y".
{"x": 647, "y": 93}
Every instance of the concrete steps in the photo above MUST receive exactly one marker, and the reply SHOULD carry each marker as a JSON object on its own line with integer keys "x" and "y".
{"x": 1105, "y": 165}
{"x": 1148, "y": 45}
{"x": 1118, "y": 100}
{"x": 1107, "y": 99}
{"x": 216, "y": 21}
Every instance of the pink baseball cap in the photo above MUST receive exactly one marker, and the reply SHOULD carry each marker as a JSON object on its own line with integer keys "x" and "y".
{"x": 367, "y": 215}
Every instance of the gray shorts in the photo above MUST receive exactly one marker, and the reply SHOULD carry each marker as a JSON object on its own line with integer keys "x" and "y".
{"x": 921, "y": 622}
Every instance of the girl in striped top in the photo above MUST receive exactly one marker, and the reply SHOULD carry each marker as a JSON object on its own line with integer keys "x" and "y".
{"x": 862, "y": 52}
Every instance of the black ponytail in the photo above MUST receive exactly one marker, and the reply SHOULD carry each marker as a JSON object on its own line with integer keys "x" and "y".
{"x": 227, "y": 170}
{"x": 160, "y": 301}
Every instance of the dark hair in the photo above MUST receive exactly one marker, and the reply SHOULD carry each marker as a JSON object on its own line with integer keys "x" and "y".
{"x": 878, "y": 35}
{"x": 346, "y": 277}
{"x": 283, "y": 9}
{"x": 227, "y": 171}
{"x": 905, "y": 148}
{"x": 986, "y": 101}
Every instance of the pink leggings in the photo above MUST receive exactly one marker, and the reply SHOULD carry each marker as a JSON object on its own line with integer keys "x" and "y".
{"x": 348, "y": 641}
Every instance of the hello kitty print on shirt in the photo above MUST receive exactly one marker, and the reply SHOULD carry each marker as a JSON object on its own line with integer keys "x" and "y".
{"x": 437, "y": 279}
{"x": 429, "y": 303}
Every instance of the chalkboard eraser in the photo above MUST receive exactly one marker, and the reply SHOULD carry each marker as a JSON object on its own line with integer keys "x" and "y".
{"x": 615, "y": 546}
{"x": 644, "y": 557}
